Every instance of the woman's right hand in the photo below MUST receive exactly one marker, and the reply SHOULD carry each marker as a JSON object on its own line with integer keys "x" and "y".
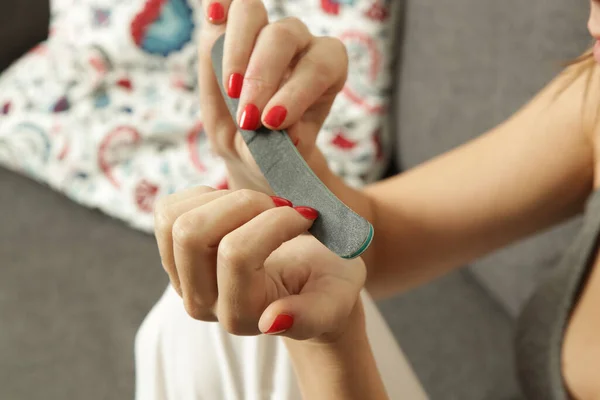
{"x": 242, "y": 258}
{"x": 285, "y": 78}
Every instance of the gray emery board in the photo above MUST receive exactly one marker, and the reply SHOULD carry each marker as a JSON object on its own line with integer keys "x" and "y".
{"x": 338, "y": 227}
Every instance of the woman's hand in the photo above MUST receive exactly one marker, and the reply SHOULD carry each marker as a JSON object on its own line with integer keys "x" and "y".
{"x": 241, "y": 258}
{"x": 285, "y": 78}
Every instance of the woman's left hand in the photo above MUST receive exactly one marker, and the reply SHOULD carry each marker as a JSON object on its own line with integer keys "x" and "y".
{"x": 242, "y": 258}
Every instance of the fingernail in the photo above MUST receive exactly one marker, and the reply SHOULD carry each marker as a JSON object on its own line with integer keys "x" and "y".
{"x": 276, "y": 116}
{"x": 282, "y": 323}
{"x": 234, "y": 88}
{"x": 308, "y": 213}
{"x": 281, "y": 202}
{"x": 250, "y": 119}
{"x": 216, "y": 12}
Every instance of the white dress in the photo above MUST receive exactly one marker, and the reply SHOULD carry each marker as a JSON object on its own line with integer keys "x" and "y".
{"x": 178, "y": 358}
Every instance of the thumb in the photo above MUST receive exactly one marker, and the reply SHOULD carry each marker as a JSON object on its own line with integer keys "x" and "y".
{"x": 309, "y": 315}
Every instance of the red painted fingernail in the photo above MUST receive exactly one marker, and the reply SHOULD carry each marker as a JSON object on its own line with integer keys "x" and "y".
{"x": 308, "y": 213}
{"x": 296, "y": 142}
{"x": 216, "y": 12}
{"x": 281, "y": 202}
{"x": 282, "y": 323}
{"x": 276, "y": 116}
{"x": 234, "y": 87}
{"x": 250, "y": 119}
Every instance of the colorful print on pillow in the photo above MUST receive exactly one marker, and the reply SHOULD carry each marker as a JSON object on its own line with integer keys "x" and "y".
{"x": 106, "y": 110}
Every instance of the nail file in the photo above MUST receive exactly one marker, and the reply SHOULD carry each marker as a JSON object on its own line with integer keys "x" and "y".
{"x": 338, "y": 227}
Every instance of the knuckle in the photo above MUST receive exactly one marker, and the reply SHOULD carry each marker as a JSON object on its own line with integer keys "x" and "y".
{"x": 202, "y": 190}
{"x": 337, "y": 56}
{"x": 338, "y": 46}
{"x": 254, "y": 83}
{"x": 230, "y": 254}
{"x": 285, "y": 30}
{"x": 232, "y": 324}
{"x": 256, "y": 7}
{"x": 238, "y": 322}
{"x": 248, "y": 198}
{"x": 293, "y": 21}
{"x": 322, "y": 71}
{"x": 220, "y": 149}
{"x": 185, "y": 232}
{"x": 198, "y": 311}
{"x": 162, "y": 216}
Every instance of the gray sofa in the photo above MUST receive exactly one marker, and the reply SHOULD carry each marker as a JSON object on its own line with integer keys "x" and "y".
{"x": 68, "y": 315}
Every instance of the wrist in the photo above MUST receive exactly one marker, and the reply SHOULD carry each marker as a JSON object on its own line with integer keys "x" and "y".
{"x": 342, "y": 367}
{"x": 354, "y": 330}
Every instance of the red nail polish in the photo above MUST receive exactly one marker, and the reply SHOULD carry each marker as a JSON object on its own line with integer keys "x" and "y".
{"x": 250, "y": 119}
{"x": 216, "y": 12}
{"x": 234, "y": 87}
{"x": 281, "y": 202}
{"x": 276, "y": 116}
{"x": 282, "y": 323}
{"x": 296, "y": 142}
{"x": 308, "y": 213}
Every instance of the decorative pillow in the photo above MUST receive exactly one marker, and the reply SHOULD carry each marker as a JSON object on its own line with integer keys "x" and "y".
{"x": 106, "y": 109}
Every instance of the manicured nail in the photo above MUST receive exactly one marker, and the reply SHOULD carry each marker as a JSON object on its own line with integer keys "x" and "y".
{"x": 250, "y": 119}
{"x": 282, "y": 323}
{"x": 234, "y": 87}
{"x": 276, "y": 116}
{"x": 281, "y": 202}
{"x": 216, "y": 12}
{"x": 308, "y": 213}
{"x": 296, "y": 142}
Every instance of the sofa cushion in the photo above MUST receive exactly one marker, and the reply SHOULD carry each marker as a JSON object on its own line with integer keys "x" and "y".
{"x": 457, "y": 338}
{"x": 74, "y": 287}
{"x": 25, "y": 22}
{"x": 466, "y": 66}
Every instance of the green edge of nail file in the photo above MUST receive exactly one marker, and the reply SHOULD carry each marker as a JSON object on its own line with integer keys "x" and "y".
{"x": 338, "y": 227}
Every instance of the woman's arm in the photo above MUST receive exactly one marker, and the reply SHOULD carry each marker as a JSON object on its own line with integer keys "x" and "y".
{"x": 342, "y": 369}
{"x": 531, "y": 172}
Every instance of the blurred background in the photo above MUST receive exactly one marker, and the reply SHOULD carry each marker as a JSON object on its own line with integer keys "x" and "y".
{"x": 75, "y": 284}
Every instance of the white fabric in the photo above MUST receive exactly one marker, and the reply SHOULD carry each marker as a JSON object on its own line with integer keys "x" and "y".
{"x": 178, "y": 358}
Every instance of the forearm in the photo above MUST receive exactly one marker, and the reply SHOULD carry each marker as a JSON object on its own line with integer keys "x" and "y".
{"x": 344, "y": 369}
{"x": 524, "y": 176}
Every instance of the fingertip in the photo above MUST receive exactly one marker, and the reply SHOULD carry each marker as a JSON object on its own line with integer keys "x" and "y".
{"x": 275, "y": 321}
{"x": 281, "y": 324}
{"x": 308, "y": 212}
{"x": 281, "y": 202}
{"x": 215, "y": 13}
{"x": 234, "y": 86}
{"x": 250, "y": 118}
{"x": 275, "y": 117}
